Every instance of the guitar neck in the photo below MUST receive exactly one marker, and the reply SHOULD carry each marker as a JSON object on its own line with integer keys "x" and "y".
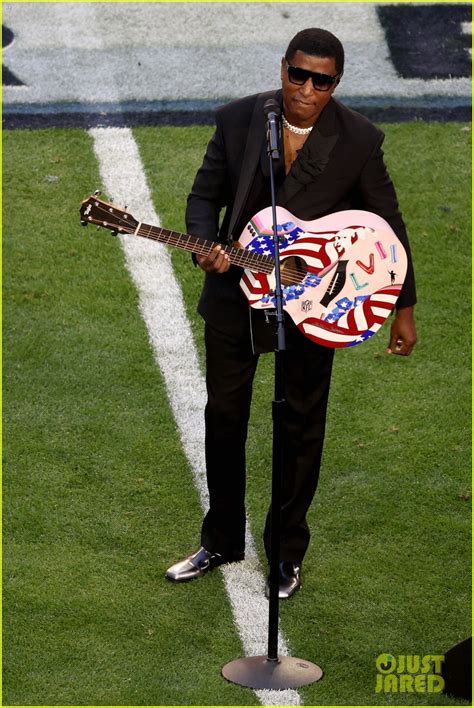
{"x": 203, "y": 247}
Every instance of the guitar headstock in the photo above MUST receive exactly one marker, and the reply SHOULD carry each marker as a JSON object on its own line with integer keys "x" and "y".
{"x": 108, "y": 216}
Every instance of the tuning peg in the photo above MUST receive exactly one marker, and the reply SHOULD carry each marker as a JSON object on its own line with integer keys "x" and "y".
{"x": 97, "y": 193}
{"x": 84, "y": 223}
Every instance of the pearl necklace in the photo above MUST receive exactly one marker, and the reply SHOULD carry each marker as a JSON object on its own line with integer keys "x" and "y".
{"x": 294, "y": 129}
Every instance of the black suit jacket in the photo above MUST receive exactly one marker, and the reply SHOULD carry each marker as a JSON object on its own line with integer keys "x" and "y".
{"x": 340, "y": 167}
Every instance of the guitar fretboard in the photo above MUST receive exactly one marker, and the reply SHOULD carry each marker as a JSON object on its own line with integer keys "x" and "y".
{"x": 200, "y": 246}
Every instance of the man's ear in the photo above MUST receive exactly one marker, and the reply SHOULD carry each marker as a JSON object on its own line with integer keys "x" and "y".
{"x": 283, "y": 68}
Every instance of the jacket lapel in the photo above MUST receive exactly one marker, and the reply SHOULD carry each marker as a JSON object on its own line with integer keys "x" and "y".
{"x": 314, "y": 157}
{"x": 252, "y": 151}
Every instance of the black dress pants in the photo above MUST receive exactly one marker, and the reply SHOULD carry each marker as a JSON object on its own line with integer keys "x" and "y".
{"x": 231, "y": 365}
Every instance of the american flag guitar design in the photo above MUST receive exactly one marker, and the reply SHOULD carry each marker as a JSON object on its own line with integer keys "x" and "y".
{"x": 341, "y": 274}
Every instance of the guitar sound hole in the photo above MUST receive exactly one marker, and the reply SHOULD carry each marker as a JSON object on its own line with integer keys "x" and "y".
{"x": 293, "y": 270}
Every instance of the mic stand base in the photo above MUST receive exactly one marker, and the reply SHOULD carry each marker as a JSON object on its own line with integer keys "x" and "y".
{"x": 261, "y": 672}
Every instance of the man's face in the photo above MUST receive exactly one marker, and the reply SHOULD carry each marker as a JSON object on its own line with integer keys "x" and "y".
{"x": 303, "y": 104}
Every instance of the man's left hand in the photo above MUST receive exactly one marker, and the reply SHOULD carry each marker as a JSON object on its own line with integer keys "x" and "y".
{"x": 403, "y": 332}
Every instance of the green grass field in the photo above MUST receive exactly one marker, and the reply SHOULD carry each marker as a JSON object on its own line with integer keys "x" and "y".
{"x": 98, "y": 496}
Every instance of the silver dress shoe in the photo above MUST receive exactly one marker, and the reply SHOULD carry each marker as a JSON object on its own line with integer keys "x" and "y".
{"x": 194, "y": 566}
{"x": 289, "y": 580}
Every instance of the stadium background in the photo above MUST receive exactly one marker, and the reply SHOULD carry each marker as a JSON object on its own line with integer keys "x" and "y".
{"x": 103, "y": 472}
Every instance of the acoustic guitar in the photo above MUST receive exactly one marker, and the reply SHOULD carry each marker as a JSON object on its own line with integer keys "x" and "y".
{"x": 341, "y": 274}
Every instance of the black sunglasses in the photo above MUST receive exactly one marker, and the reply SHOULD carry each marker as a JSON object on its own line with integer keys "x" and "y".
{"x": 321, "y": 82}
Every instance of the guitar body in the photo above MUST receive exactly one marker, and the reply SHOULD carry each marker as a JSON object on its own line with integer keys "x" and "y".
{"x": 341, "y": 274}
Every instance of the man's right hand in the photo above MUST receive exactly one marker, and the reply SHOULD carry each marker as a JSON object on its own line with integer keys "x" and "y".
{"x": 216, "y": 262}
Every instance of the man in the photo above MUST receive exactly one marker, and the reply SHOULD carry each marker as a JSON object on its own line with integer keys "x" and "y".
{"x": 331, "y": 161}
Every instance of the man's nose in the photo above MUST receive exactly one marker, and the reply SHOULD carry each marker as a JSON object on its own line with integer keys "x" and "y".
{"x": 307, "y": 88}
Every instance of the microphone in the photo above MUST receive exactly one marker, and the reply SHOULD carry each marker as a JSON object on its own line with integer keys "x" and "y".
{"x": 272, "y": 112}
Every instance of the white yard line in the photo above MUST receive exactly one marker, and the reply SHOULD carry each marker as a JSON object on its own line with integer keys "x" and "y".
{"x": 162, "y": 308}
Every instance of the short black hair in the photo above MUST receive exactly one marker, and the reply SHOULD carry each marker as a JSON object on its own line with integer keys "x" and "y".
{"x": 318, "y": 43}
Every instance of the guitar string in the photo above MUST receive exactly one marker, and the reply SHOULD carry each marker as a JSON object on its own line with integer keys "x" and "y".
{"x": 293, "y": 275}
{"x": 240, "y": 256}
{"x": 175, "y": 238}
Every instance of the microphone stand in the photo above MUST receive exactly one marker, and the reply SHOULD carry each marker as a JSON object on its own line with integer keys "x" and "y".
{"x": 273, "y": 671}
